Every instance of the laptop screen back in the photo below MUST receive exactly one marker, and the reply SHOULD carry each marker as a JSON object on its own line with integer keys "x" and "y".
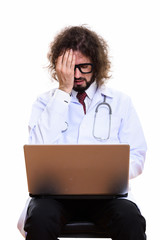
{"x": 77, "y": 170}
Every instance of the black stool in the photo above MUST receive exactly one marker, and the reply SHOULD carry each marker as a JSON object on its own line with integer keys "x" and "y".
{"x": 82, "y": 230}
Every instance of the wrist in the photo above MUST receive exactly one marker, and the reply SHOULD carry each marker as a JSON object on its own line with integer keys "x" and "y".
{"x": 67, "y": 90}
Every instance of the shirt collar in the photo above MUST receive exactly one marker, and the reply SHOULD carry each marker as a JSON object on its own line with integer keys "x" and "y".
{"x": 90, "y": 91}
{"x": 104, "y": 90}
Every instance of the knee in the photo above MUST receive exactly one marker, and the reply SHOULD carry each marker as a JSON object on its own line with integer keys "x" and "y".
{"x": 124, "y": 221}
{"x": 42, "y": 212}
{"x": 130, "y": 217}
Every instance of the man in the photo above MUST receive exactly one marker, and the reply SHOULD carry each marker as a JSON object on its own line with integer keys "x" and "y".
{"x": 79, "y": 61}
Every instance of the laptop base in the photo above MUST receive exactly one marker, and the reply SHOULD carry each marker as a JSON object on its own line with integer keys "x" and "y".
{"x": 79, "y": 196}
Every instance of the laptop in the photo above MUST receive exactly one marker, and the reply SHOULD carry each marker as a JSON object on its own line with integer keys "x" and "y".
{"x": 77, "y": 171}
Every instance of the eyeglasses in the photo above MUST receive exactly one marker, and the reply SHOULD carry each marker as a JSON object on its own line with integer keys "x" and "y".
{"x": 84, "y": 67}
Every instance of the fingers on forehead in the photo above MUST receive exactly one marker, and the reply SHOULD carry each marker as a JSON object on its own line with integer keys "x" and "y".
{"x": 62, "y": 57}
{"x": 66, "y": 56}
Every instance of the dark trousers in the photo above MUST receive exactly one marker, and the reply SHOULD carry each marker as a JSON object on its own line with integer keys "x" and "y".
{"x": 119, "y": 218}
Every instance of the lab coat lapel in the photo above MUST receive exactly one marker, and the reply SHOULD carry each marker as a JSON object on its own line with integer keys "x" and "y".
{"x": 98, "y": 98}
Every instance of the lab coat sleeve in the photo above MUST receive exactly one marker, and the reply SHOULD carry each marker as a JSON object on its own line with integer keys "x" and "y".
{"x": 48, "y": 118}
{"x": 131, "y": 133}
{"x": 22, "y": 218}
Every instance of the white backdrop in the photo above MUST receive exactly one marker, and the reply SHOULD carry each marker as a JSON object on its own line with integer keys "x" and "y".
{"x": 27, "y": 27}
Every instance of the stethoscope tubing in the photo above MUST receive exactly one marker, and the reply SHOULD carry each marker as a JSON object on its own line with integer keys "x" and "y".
{"x": 95, "y": 117}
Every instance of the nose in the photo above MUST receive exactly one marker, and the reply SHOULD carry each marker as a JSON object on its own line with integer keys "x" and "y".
{"x": 77, "y": 73}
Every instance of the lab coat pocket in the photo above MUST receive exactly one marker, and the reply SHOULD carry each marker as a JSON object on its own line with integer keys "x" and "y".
{"x": 102, "y": 124}
{"x": 106, "y": 128}
{"x": 115, "y": 127}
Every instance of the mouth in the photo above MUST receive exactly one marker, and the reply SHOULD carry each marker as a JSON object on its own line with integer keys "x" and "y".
{"x": 79, "y": 81}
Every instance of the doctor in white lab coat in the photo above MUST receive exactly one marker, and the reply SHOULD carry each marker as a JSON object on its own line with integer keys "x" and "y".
{"x": 59, "y": 118}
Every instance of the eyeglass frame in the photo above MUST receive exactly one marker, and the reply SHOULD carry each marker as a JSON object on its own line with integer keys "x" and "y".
{"x": 82, "y": 64}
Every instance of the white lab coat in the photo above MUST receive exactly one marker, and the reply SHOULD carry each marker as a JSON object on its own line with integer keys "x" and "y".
{"x": 58, "y": 118}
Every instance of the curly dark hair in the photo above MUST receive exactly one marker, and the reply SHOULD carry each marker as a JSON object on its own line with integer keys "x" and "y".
{"x": 89, "y": 43}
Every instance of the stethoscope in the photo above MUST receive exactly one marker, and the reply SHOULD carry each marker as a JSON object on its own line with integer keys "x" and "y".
{"x": 109, "y": 122}
{"x": 95, "y": 117}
